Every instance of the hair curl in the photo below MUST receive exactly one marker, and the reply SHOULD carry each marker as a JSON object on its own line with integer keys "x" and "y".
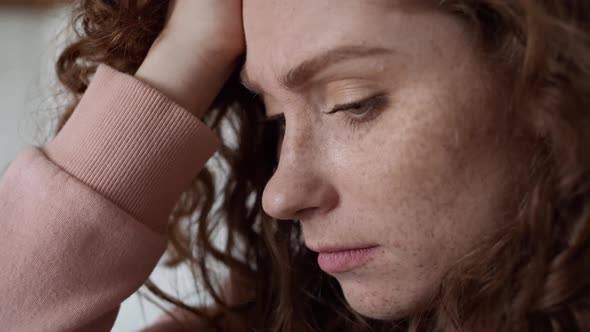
{"x": 534, "y": 275}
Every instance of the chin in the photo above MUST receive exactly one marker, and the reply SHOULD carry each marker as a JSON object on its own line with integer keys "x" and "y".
{"x": 378, "y": 303}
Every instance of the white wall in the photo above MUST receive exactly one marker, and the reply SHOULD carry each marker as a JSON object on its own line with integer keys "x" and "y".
{"x": 21, "y": 55}
{"x": 28, "y": 48}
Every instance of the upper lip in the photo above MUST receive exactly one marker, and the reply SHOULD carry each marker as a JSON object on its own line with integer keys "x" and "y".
{"x": 337, "y": 248}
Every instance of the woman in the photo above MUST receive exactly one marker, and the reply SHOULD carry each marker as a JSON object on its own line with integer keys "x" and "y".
{"x": 392, "y": 165}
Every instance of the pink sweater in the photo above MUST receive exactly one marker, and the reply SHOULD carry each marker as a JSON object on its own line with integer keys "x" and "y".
{"x": 83, "y": 218}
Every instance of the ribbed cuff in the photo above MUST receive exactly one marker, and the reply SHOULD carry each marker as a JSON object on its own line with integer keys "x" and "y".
{"x": 132, "y": 144}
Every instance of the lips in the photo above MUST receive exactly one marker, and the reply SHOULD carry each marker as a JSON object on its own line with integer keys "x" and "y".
{"x": 340, "y": 259}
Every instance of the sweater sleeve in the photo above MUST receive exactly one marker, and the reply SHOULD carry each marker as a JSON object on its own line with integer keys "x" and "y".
{"x": 83, "y": 219}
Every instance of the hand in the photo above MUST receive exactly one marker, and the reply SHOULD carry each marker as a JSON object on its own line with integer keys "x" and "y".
{"x": 196, "y": 51}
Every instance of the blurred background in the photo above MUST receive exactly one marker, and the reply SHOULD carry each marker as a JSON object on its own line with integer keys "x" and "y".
{"x": 31, "y": 35}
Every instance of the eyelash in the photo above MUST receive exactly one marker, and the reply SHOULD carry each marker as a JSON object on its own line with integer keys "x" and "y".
{"x": 372, "y": 105}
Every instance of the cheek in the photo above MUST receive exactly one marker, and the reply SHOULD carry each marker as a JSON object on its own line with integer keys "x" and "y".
{"x": 426, "y": 196}
{"x": 404, "y": 161}
{"x": 424, "y": 184}
{"x": 414, "y": 192}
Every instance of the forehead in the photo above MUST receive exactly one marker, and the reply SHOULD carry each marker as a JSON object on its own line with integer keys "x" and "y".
{"x": 282, "y": 33}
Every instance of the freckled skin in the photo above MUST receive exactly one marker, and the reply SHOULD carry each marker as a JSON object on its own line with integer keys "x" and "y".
{"x": 424, "y": 180}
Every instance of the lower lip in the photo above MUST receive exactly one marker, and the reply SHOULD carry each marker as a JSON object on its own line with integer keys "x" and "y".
{"x": 344, "y": 261}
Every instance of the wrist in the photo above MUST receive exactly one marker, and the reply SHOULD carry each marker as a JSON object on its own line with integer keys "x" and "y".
{"x": 189, "y": 76}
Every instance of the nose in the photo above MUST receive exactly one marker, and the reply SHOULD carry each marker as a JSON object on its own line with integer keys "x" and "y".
{"x": 299, "y": 189}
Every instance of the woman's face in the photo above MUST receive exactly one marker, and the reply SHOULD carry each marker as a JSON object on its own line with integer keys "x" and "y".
{"x": 421, "y": 179}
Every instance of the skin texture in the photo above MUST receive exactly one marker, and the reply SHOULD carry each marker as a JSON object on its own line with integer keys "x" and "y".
{"x": 425, "y": 180}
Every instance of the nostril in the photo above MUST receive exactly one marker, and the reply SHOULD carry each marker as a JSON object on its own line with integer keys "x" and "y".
{"x": 304, "y": 214}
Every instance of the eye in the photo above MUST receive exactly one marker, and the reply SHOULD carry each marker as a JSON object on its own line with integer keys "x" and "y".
{"x": 364, "y": 110}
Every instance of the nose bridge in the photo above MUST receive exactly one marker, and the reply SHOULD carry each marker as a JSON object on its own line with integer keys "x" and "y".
{"x": 299, "y": 155}
{"x": 300, "y": 133}
{"x": 298, "y": 146}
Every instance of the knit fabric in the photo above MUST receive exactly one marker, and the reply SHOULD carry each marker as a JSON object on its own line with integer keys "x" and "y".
{"x": 83, "y": 218}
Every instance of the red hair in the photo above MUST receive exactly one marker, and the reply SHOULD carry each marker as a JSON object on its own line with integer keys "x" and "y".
{"x": 533, "y": 275}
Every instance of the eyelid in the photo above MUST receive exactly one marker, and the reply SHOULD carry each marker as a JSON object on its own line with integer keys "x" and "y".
{"x": 336, "y": 108}
{"x": 343, "y": 107}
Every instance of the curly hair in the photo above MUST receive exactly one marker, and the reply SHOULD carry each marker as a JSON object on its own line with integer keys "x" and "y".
{"x": 533, "y": 275}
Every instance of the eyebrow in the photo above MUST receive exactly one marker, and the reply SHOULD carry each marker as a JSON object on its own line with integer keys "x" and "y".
{"x": 302, "y": 73}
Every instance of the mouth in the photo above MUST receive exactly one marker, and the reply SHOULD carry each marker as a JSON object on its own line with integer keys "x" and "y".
{"x": 344, "y": 259}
